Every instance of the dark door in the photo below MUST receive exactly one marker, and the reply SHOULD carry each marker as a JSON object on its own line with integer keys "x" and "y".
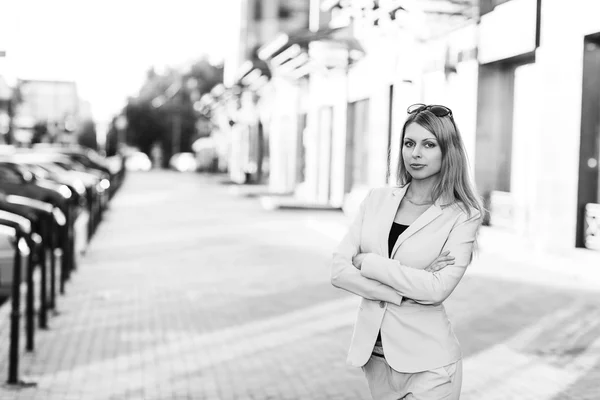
{"x": 493, "y": 153}
{"x": 589, "y": 152}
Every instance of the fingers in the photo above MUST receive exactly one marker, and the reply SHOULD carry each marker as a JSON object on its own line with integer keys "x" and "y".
{"x": 439, "y": 265}
{"x": 441, "y": 262}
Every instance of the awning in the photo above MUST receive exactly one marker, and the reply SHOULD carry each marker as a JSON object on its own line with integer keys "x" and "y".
{"x": 342, "y": 36}
{"x": 290, "y": 55}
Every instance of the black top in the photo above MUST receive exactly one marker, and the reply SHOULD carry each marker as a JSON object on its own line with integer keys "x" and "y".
{"x": 396, "y": 231}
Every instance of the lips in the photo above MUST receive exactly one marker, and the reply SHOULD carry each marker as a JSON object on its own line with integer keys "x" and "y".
{"x": 415, "y": 165}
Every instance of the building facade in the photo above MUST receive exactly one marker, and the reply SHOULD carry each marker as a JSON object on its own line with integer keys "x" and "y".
{"x": 246, "y": 127}
{"x": 54, "y": 104}
{"x": 521, "y": 76}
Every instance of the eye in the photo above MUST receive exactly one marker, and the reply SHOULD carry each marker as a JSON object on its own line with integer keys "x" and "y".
{"x": 408, "y": 144}
{"x": 430, "y": 145}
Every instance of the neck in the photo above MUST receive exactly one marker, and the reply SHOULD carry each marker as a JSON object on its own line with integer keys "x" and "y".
{"x": 421, "y": 190}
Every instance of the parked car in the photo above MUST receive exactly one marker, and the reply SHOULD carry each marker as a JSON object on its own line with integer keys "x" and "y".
{"x": 138, "y": 161}
{"x": 61, "y": 169}
{"x": 206, "y": 154}
{"x": 88, "y": 158}
{"x": 95, "y": 180}
{"x": 7, "y": 246}
{"x": 184, "y": 162}
{"x": 14, "y": 217}
{"x": 16, "y": 179}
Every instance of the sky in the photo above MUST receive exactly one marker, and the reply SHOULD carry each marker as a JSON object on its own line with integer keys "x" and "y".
{"x": 106, "y": 46}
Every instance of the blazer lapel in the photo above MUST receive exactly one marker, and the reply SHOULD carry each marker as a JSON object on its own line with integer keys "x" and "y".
{"x": 429, "y": 215}
{"x": 388, "y": 213}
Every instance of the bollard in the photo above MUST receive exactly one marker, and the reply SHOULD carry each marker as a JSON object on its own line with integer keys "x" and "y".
{"x": 16, "y": 227}
{"x": 71, "y": 242}
{"x": 56, "y": 259}
{"x": 30, "y": 303}
{"x": 57, "y": 252}
{"x": 64, "y": 259}
{"x": 72, "y": 251}
{"x": 15, "y": 314}
{"x": 91, "y": 221}
{"x": 48, "y": 214}
{"x": 52, "y": 257}
{"x": 43, "y": 313}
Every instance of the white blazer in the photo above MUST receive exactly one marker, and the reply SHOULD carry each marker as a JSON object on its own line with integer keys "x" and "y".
{"x": 399, "y": 297}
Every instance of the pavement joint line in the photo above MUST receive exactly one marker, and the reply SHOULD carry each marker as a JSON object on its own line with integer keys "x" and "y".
{"x": 550, "y": 321}
{"x": 117, "y": 241}
{"x": 502, "y": 370}
{"x": 222, "y": 345}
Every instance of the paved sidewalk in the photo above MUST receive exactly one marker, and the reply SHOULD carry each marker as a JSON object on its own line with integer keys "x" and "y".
{"x": 190, "y": 292}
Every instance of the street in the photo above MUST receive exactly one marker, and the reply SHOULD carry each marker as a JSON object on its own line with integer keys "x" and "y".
{"x": 192, "y": 291}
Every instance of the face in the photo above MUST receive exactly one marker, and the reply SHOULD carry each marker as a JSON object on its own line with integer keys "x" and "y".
{"x": 421, "y": 152}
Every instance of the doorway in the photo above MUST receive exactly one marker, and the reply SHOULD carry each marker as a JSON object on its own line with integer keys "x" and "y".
{"x": 589, "y": 151}
{"x": 325, "y": 154}
{"x": 357, "y": 145}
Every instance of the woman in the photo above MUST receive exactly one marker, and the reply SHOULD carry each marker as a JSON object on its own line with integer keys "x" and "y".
{"x": 404, "y": 254}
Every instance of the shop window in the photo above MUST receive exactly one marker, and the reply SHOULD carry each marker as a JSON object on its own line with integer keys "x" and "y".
{"x": 284, "y": 12}
{"x": 359, "y": 126}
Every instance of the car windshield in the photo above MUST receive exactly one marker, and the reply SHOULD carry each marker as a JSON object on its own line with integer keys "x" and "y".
{"x": 70, "y": 166}
{"x": 53, "y": 168}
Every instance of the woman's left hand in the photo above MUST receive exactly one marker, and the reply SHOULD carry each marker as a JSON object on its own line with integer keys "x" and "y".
{"x": 441, "y": 262}
{"x": 358, "y": 259}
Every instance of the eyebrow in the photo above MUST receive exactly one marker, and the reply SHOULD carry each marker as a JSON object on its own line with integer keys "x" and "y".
{"x": 413, "y": 140}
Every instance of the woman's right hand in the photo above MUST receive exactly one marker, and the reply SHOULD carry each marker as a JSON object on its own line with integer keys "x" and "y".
{"x": 441, "y": 262}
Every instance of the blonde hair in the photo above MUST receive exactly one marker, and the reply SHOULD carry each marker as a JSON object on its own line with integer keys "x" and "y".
{"x": 454, "y": 185}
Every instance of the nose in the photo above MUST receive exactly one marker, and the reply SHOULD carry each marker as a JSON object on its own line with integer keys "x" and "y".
{"x": 416, "y": 151}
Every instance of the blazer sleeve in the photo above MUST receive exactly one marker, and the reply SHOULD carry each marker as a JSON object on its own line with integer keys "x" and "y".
{"x": 347, "y": 277}
{"x": 423, "y": 286}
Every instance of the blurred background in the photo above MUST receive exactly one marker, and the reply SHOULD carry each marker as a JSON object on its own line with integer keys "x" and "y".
{"x": 296, "y": 105}
{"x": 309, "y": 97}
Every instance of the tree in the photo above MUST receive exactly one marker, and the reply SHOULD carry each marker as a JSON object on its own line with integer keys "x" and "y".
{"x": 145, "y": 124}
{"x": 111, "y": 146}
{"x": 163, "y": 112}
{"x": 40, "y": 131}
{"x": 14, "y": 101}
{"x": 86, "y": 135}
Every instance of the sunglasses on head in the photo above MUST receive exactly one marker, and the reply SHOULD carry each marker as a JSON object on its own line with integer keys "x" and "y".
{"x": 435, "y": 109}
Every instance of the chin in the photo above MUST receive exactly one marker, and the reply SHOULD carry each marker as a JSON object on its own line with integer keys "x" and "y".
{"x": 422, "y": 175}
{"x": 419, "y": 175}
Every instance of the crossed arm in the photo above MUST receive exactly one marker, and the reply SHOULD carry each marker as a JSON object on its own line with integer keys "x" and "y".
{"x": 345, "y": 276}
{"x": 380, "y": 278}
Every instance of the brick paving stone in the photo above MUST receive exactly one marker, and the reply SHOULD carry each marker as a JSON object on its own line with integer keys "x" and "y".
{"x": 587, "y": 387}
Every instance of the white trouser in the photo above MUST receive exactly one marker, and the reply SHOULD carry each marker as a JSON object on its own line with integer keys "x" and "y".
{"x": 385, "y": 383}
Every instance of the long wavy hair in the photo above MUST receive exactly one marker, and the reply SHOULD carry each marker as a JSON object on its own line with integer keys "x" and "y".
{"x": 454, "y": 185}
